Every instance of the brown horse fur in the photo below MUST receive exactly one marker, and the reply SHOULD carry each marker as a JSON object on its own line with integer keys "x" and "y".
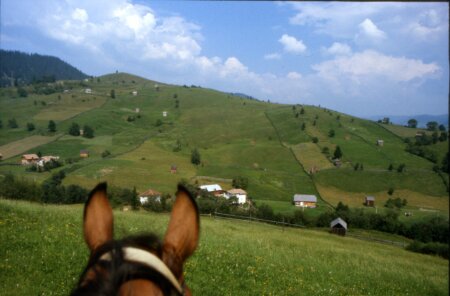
{"x": 120, "y": 277}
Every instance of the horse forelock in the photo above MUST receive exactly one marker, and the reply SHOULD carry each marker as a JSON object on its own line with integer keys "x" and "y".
{"x": 107, "y": 277}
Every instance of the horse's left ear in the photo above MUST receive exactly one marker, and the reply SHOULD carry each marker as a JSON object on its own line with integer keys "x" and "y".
{"x": 182, "y": 234}
{"x": 98, "y": 218}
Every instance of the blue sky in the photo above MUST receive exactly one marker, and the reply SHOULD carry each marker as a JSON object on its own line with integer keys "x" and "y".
{"x": 359, "y": 58}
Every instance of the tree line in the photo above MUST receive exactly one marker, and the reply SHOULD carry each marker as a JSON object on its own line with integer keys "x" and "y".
{"x": 430, "y": 235}
{"x": 19, "y": 68}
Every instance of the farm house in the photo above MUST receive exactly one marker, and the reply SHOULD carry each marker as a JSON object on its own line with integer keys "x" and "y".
{"x": 305, "y": 200}
{"x": 29, "y": 159}
{"x": 240, "y": 194}
{"x": 145, "y": 196}
{"x": 338, "y": 226}
{"x": 214, "y": 189}
{"x": 370, "y": 201}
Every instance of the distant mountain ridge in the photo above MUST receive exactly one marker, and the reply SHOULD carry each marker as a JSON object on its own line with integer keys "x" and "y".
{"x": 22, "y": 68}
{"x": 422, "y": 119}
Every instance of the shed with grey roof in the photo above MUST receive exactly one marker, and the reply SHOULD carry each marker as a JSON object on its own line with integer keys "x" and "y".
{"x": 338, "y": 226}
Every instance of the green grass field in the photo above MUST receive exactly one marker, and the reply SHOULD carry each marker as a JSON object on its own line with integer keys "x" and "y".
{"x": 235, "y": 137}
{"x": 43, "y": 252}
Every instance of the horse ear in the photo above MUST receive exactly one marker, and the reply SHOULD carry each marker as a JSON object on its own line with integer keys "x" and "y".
{"x": 182, "y": 234}
{"x": 98, "y": 218}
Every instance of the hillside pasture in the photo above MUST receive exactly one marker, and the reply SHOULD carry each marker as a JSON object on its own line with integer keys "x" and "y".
{"x": 416, "y": 200}
{"x": 146, "y": 167}
{"x": 420, "y": 181}
{"x": 233, "y": 258}
{"x": 26, "y": 144}
{"x": 310, "y": 156}
{"x": 69, "y": 107}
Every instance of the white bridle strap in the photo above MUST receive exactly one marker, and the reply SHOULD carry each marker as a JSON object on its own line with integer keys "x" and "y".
{"x": 150, "y": 260}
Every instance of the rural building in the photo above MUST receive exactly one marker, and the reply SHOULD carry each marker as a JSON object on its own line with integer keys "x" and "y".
{"x": 214, "y": 189}
{"x": 29, "y": 159}
{"x": 150, "y": 194}
{"x": 81, "y": 132}
{"x": 380, "y": 143}
{"x": 173, "y": 169}
{"x": 134, "y": 92}
{"x": 1, "y": 156}
{"x": 44, "y": 159}
{"x": 420, "y": 134}
{"x": 370, "y": 201}
{"x": 338, "y": 226}
{"x": 305, "y": 200}
{"x": 337, "y": 162}
{"x": 240, "y": 194}
{"x": 164, "y": 113}
{"x": 84, "y": 153}
{"x": 138, "y": 110}
{"x": 88, "y": 91}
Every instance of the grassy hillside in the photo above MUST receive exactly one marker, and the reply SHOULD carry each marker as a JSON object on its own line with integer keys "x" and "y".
{"x": 235, "y": 137}
{"x": 43, "y": 252}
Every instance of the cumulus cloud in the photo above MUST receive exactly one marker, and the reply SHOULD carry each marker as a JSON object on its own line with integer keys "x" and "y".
{"x": 337, "y": 19}
{"x": 429, "y": 25}
{"x": 272, "y": 56}
{"x": 292, "y": 45}
{"x": 293, "y": 75}
{"x": 369, "y": 29}
{"x": 80, "y": 15}
{"x": 338, "y": 49}
{"x": 370, "y": 63}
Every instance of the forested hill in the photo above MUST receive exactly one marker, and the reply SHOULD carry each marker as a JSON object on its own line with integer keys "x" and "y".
{"x": 23, "y": 68}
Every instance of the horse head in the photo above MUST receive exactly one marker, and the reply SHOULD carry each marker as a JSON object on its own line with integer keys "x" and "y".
{"x": 141, "y": 265}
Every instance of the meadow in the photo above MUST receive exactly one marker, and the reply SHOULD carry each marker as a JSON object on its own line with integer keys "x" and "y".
{"x": 275, "y": 146}
{"x": 43, "y": 252}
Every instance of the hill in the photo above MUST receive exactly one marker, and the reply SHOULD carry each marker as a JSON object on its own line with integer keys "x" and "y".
{"x": 21, "y": 68}
{"x": 44, "y": 253}
{"x": 281, "y": 149}
{"x": 422, "y": 119}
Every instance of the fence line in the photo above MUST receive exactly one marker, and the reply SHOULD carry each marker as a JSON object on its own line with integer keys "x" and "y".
{"x": 273, "y": 222}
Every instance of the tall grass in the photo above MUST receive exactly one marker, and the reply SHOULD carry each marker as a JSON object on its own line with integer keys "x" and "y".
{"x": 42, "y": 252}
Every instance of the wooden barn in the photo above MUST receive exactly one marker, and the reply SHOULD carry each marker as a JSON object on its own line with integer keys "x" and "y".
{"x": 370, "y": 201}
{"x": 338, "y": 226}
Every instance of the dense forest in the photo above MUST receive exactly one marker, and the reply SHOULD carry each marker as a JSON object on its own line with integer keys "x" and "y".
{"x": 18, "y": 68}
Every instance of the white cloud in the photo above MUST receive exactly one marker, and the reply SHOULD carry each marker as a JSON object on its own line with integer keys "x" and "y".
{"x": 371, "y": 64}
{"x": 293, "y": 75}
{"x": 369, "y": 29}
{"x": 428, "y": 26}
{"x": 338, "y": 49}
{"x": 337, "y": 19}
{"x": 292, "y": 45}
{"x": 80, "y": 15}
{"x": 272, "y": 56}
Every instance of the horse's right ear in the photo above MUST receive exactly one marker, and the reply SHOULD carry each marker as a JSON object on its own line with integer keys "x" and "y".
{"x": 98, "y": 218}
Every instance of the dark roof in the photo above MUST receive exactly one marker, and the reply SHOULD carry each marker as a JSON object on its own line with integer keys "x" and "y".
{"x": 338, "y": 221}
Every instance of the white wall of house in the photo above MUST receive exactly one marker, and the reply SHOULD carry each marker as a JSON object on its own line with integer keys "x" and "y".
{"x": 143, "y": 200}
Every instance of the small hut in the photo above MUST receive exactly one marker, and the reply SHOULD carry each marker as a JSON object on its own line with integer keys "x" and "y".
{"x": 380, "y": 143}
{"x": 338, "y": 226}
{"x": 173, "y": 169}
{"x": 84, "y": 153}
{"x": 164, "y": 113}
{"x": 370, "y": 201}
